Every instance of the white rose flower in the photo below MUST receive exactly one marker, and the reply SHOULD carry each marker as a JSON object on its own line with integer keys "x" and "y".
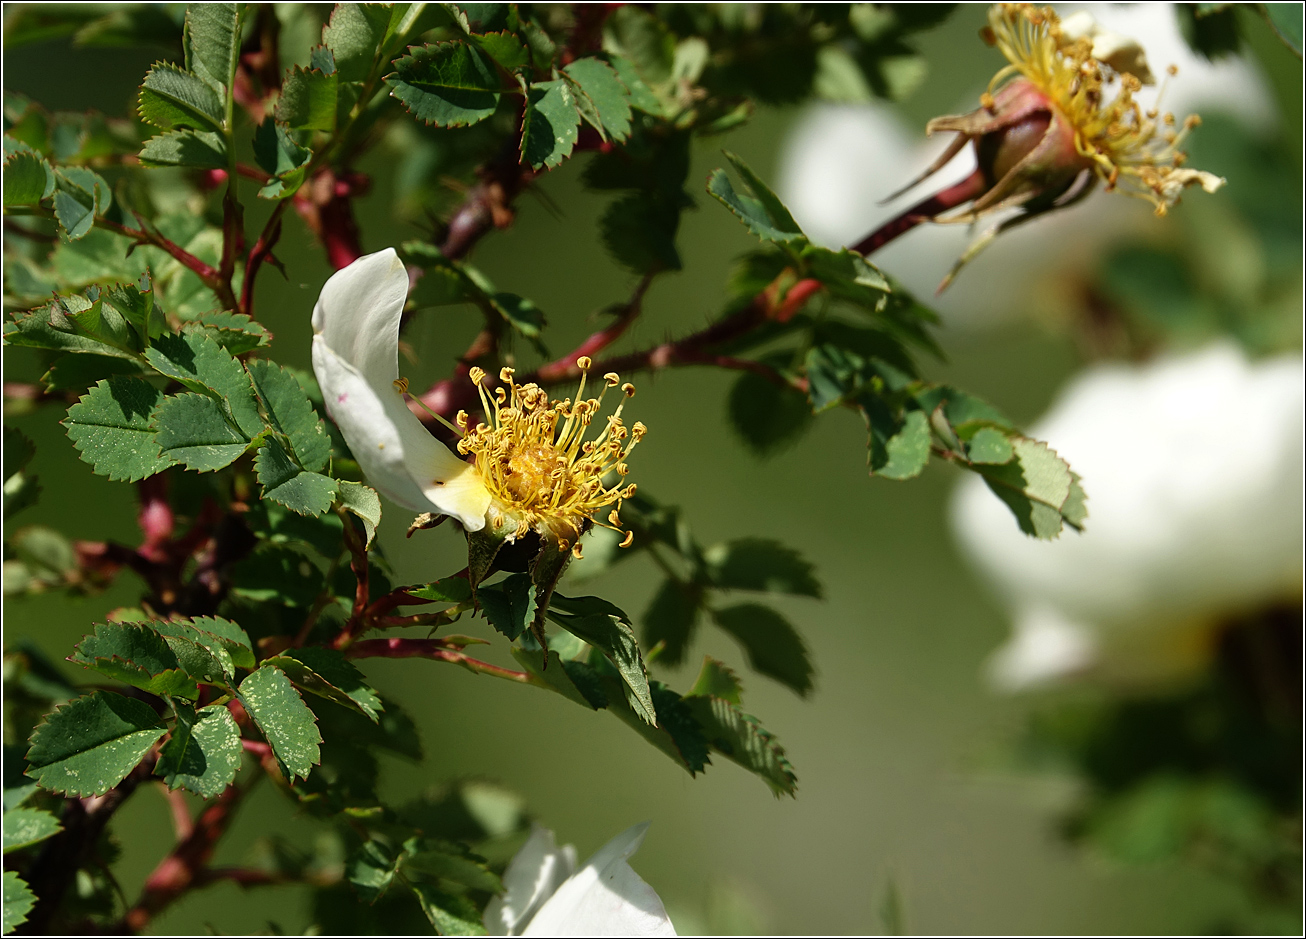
{"x": 1193, "y": 469}
{"x": 546, "y": 896}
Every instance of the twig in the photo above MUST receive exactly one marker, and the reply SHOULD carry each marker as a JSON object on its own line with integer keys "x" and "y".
{"x": 261, "y": 252}
{"x": 436, "y": 650}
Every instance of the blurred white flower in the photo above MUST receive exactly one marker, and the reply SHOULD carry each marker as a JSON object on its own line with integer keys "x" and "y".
{"x": 1193, "y": 469}
{"x": 543, "y": 897}
{"x": 839, "y": 161}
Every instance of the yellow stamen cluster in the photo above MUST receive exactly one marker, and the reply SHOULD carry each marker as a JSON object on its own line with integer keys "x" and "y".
{"x": 534, "y": 459}
{"x": 1128, "y": 148}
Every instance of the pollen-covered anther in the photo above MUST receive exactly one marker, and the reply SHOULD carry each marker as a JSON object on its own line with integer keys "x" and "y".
{"x": 626, "y": 542}
{"x": 476, "y": 374}
{"x": 576, "y": 551}
{"x": 584, "y": 362}
{"x": 505, "y": 375}
{"x": 628, "y": 390}
{"x": 613, "y": 379}
{"x": 401, "y": 385}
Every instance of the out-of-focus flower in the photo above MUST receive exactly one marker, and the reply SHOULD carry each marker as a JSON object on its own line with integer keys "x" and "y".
{"x": 544, "y": 894}
{"x": 532, "y": 470}
{"x": 1194, "y": 469}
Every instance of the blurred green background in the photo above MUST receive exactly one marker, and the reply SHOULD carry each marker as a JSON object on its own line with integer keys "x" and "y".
{"x": 911, "y": 813}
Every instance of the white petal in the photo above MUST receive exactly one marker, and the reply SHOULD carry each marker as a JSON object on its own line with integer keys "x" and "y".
{"x": 356, "y": 359}
{"x": 605, "y": 898}
{"x": 534, "y": 875}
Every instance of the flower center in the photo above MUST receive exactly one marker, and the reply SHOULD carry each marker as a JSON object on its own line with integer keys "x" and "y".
{"x": 534, "y": 459}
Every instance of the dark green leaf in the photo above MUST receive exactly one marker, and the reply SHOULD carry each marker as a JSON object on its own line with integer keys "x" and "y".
{"x": 194, "y": 431}
{"x": 761, "y": 564}
{"x": 671, "y": 618}
{"x": 79, "y": 195}
{"x": 19, "y": 901}
{"x": 523, "y": 315}
{"x": 172, "y": 98}
{"x": 363, "y": 502}
{"x": 202, "y": 365}
{"x": 18, "y": 451}
{"x": 640, "y": 232}
{"x": 450, "y": 862}
{"x": 450, "y": 914}
{"x": 767, "y": 417}
{"x": 505, "y": 48}
{"x": 644, "y": 41}
{"x": 24, "y": 827}
{"x": 280, "y": 574}
{"x": 371, "y": 868}
{"x": 740, "y": 737}
{"x": 509, "y": 605}
{"x": 773, "y": 646}
{"x": 212, "y": 40}
{"x": 214, "y": 631}
{"x": 204, "y": 751}
{"x": 642, "y": 97}
{"x": 762, "y": 211}
{"x": 110, "y": 426}
{"x": 1286, "y": 18}
{"x": 355, "y": 35}
{"x": 308, "y": 100}
{"x": 285, "y": 720}
{"x": 449, "y": 84}
{"x": 28, "y": 179}
{"x": 846, "y": 274}
{"x": 138, "y": 656}
{"x": 328, "y": 674}
{"x": 609, "y": 97}
{"x": 611, "y": 634}
{"x": 282, "y": 158}
{"x": 897, "y": 448}
{"x": 283, "y": 481}
{"x": 235, "y": 332}
{"x": 961, "y": 408}
{"x": 445, "y": 590}
{"x": 558, "y": 677}
{"x": 551, "y": 124}
{"x": 78, "y": 372}
{"x": 87, "y": 746}
{"x": 200, "y": 149}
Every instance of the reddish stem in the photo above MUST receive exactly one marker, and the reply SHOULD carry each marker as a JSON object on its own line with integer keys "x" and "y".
{"x": 969, "y": 188}
{"x": 431, "y": 649}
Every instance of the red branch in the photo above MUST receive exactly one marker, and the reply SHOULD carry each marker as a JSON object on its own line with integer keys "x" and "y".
{"x": 431, "y": 649}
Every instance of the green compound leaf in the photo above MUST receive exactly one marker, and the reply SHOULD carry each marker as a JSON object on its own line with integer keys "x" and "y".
{"x": 509, "y": 605}
{"x": 25, "y": 827}
{"x": 363, "y": 502}
{"x": 172, "y": 98}
{"x": 19, "y": 901}
{"x": 89, "y": 745}
{"x": 773, "y": 646}
{"x": 551, "y": 124}
{"x": 284, "y": 718}
{"x": 452, "y": 862}
{"x": 896, "y": 448}
{"x": 762, "y": 211}
{"x": 194, "y": 431}
{"x": 202, "y": 365}
{"x": 79, "y": 195}
{"x": 235, "y": 332}
{"x": 202, "y": 149}
{"x": 559, "y": 677}
{"x": 202, "y": 657}
{"x": 328, "y": 674}
{"x": 1037, "y": 486}
{"x": 212, "y": 40}
{"x": 278, "y": 154}
{"x": 28, "y": 178}
{"x": 204, "y": 751}
{"x": 767, "y": 417}
{"x": 284, "y": 482}
{"x": 451, "y": 914}
{"x": 445, "y": 590}
{"x": 138, "y": 656}
{"x": 448, "y": 84}
{"x": 608, "y": 98}
{"x": 371, "y": 868}
{"x": 291, "y": 413}
{"x": 308, "y": 100}
{"x": 504, "y": 47}
{"x": 740, "y": 737}
{"x": 606, "y": 628}
{"x": 51, "y": 327}
{"x": 111, "y": 428}
{"x": 761, "y": 564}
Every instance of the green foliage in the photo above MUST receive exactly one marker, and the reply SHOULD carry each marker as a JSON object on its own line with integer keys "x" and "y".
{"x": 286, "y": 722}
{"x": 111, "y": 426}
{"x": 448, "y": 84}
{"x": 773, "y": 646}
{"x": 173, "y": 98}
{"x": 326, "y": 672}
{"x": 138, "y": 656}
{"x": 19, "y": 901}
{"x": 26, "y": 827}
{"x": 203, "y": 752}
{"x": 551, "y": 124}
{"x": 87, "y": 747}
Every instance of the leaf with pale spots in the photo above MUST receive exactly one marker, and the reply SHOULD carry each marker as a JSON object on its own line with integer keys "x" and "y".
{"x": 89, "y": 745}
{"x": 551, "y": 124}
{"x": 26, "y": 827}
{"x": 204, "y": 751}
{"x": 286, "y": 722}
{"x": 138, "y": 656}
{"x": 328, "y": 674}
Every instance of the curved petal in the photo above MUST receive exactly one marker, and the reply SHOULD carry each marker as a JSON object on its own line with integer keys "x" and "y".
{"x": 535, "y": 874}
{"x": 605, "y": 898}
{"x": 356, "y": 359}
